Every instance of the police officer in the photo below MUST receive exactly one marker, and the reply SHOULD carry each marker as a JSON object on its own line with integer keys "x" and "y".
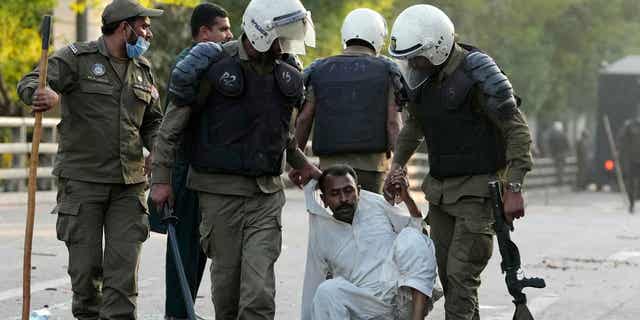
{"x": 209, "y": 22}
{"x": 629, "y": 146}
{"x": 110, "y": 110}
{"x": 352, "y": 98}
{"x": 240, "y": 98}
{"x": 464, "y": 106}
{"x": 557, "y": 147}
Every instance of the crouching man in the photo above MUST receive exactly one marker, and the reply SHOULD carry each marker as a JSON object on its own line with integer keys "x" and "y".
{"x": 383, "y": 266}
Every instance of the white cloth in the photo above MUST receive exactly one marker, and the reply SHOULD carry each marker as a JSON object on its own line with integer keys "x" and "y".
{"x": 373, "y": 261}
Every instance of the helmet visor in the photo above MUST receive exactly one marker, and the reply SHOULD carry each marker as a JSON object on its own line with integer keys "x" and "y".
{"x": 291, "y": 38}
{"x": 413, "y": 51}
{"x": 412, "y": 76}
{"x": 294, "y": 30}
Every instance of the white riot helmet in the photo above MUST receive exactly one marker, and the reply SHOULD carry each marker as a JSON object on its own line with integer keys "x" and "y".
{"x": 264, "y": 21}
{"x": 367, "y": 25}
{"x": 422, "y": 30}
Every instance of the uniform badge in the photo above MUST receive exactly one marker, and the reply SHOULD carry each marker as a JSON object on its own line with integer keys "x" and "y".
{"x": 139, "y": 78}
{"x": 154, "y": 93}
{"x": 98, "y": 69}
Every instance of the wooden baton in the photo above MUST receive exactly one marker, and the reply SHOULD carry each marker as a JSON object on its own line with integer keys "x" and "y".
{"x": 33, "y": 173}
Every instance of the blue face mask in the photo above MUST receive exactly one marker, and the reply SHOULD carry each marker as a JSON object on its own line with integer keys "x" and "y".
{"x": 139, "y": 48}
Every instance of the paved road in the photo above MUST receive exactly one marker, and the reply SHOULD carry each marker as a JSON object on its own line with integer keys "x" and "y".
{"x": 584, "y": 245}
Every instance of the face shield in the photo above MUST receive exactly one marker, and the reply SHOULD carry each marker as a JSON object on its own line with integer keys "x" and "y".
{"x": 294, "y": 32}
{"x": 414, "y": 77}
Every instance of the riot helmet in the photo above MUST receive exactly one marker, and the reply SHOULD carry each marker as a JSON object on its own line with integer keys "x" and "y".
{"x": 367, "y": 25}
{"x": 287, "y": 21}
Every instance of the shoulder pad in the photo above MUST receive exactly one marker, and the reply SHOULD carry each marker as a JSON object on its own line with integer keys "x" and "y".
{"x": 79, "y": 48}
{"x": 292, "y": 60}
{"x": 289, "y": 80}
{"x": 185, "y": 76}
{"x": 227, "y": 77}
{"x": 394, "y": 69}
{"x": 308, "y": 71}
{"x": 397, "y": 80}
{"x": 484, "y": 71}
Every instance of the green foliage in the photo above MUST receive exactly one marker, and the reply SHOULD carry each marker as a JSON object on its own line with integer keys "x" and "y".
{"x": 19, "y": 44}
{"x": 551, "y": 49}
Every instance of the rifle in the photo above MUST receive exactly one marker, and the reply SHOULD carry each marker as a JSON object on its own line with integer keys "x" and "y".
{"x": 511, "y": 263}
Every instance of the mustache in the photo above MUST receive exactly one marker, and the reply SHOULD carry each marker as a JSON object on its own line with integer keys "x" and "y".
{"x": 345, "y": 206}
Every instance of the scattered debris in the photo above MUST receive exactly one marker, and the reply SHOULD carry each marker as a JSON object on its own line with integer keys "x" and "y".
{"x": 566, "y": 263}
{"x": 628, "y": 237}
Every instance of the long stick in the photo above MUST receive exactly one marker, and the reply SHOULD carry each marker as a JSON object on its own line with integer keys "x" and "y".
{"x": 171, "y": 220}
{"x": 33, "y": 174}
{"x": 616, "y": 158}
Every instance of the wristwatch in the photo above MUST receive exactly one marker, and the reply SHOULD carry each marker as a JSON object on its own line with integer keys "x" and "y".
{"x": 514, "y": 187}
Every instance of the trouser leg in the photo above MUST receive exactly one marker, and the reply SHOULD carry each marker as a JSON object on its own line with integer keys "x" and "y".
{"x": 634, "y": 180}
{"x": 80, "y": 210}
{"x": 243, "y": 236}
{"x": 126, "y": 228}
{"x": 414, "y": 255}
{"x": 338, "y": 299}
{"x": 221, "y": 239}
{"x": 370, "y": 180}
{"x": 442, "y": 226}
{"x": 469, "y": 250}
{"x": 262, "y": 241}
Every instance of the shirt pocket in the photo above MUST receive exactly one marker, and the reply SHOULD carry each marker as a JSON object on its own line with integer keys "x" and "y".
{"x": 94, "y": 87}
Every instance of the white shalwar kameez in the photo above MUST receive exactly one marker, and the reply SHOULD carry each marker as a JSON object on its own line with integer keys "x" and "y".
{"x": 374, "y": 261}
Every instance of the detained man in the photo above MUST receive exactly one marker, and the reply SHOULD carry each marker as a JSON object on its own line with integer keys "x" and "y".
{"x": 383, "y": 266}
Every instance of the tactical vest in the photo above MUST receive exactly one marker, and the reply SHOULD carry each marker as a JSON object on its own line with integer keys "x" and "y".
{"x": 244, "y": 123}
{"x": 460, "y": 141}
{"x": 351, "y": 99}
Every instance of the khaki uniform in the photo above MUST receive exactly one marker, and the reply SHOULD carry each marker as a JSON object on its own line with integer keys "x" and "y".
{"x": 370, "y": 167}
{"x": 460, "y": 213}
{"x": 240, "y": 228}
{"x": 110, "y": 110}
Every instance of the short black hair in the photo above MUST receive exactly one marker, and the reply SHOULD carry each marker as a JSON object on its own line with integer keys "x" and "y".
{"x": 204, "y": 14}
{"x": 360, "y": 42}
{"x": 109, "y": 29}
{"x": 338, "y": 170}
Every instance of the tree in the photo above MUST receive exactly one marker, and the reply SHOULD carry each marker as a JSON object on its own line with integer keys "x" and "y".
{"x": 19, "y": 46}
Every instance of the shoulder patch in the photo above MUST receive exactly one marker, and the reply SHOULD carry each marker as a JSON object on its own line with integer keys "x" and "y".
{"x": 79, "y": 48}
{"x": 73, "y": 49}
